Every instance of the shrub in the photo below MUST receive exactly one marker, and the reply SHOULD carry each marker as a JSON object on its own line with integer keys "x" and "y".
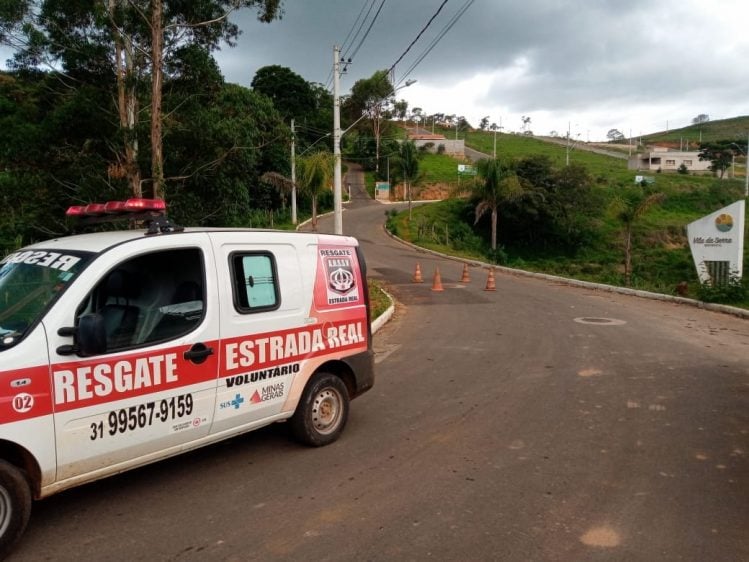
{"x": 734, "y": 291}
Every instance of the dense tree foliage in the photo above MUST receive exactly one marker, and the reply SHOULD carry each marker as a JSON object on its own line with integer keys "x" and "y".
{"x": 370, "y": 97}
{"x": 560, "y": 208}
{"x": 61, "y": 147}
{"x": 720, "y": 154}
{"x": 291, "y": 94}
{"x": 122, "y": 46}
{"x": 615, "y": 135}
{"x": 76, "y": 114}
{"x": 309, "y": 104}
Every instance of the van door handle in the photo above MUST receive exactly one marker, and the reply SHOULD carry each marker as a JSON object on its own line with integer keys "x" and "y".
{"x": 198, "y": 353}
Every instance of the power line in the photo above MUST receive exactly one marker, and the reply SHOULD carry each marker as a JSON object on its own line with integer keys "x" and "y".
{"x": 371, "y": 5}
{"x": 437, "y": 39}
{"x": 303, "y": 127}
{"x": 374, "y": 19}
{"x": 423, "y": 29}
{"x": 363, "y": 38}
{"x": 343, "y": 45}
{"x": 329, "y": 79}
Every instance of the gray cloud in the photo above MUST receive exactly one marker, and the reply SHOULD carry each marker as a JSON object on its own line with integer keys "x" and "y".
{"x": 610, "y": 63}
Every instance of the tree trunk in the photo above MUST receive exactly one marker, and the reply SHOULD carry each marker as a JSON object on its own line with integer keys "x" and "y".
{"x": 127, "y": 103}
{"x": 494, "y": 229}
{"x": 157, "y": 157}
{"x": 408, "y": 190}
{"x": 314, "y": 213}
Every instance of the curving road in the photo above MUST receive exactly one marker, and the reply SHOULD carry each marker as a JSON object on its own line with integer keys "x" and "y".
{"x": 537, "y": 422}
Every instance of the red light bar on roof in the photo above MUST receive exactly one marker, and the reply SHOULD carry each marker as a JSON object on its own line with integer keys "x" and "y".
{"x": 114, "y": 207}
{"x": 94, "y": 209}
{"x": 138, "y": 205}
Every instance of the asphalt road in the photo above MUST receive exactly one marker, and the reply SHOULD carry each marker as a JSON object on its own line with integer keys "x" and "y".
{"x": 536, "y": 422}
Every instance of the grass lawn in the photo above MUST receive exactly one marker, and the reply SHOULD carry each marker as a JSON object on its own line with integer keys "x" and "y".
{"x": 378, "y": 300}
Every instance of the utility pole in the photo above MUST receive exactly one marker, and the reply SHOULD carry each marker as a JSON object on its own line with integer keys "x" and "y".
{"x": 293, "y": 174}
{"x": 746, "y": 169}
{"x": 570, "y": 144}
{"x": 494, "y": 126}
{"x": 630, "y": 141}
{"x": 337, "y": 197}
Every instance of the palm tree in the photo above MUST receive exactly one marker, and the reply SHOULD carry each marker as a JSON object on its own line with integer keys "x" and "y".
{"x": 627, "y": 209}
{"x": 283, "y": 184}
{"x": 409, "y": 168}
{"x": 315, "y": 173}
{"x": 493, "y": 188}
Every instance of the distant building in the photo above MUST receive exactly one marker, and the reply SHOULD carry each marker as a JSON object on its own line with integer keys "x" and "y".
{"x": 452, "y": 147}
{"x": 667, "y": 160}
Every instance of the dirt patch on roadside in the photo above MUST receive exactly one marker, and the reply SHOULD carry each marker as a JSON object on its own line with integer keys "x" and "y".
{"x": 431, "y": 192}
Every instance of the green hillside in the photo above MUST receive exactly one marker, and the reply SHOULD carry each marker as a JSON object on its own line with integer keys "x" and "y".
{"x": 735, "y": 128}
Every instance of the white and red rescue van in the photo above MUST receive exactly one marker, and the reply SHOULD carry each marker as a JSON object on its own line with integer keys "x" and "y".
{"x": 121, "y": 348}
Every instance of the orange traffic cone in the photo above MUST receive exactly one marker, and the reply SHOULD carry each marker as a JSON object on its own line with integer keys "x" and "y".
{"x": 437, "y": 283}
{"x": 465, "y": 278}
{"x": 490, "y": 286}
{"x": 417, "y": 274}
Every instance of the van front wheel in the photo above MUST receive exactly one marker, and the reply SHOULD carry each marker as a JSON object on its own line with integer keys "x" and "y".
{"x": 322, "y": 411}
{"x": 15, "y": 506}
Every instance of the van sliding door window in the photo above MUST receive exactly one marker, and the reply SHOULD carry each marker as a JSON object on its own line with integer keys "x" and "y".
{"x": 255, "y": 282}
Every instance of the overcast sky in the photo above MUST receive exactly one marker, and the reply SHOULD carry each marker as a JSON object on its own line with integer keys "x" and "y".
{"x": 588, "y": 65}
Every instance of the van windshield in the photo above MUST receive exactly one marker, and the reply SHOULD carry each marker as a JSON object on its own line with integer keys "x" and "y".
{"x": 30, "y": 281}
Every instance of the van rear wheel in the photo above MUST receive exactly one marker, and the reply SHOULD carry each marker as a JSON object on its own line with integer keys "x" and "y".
{"x": 322, "y": 411}
{"x": 15, "y": 506}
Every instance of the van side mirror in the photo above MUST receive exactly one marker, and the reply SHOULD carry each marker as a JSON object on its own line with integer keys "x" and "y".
{"x": 91, "y": 335}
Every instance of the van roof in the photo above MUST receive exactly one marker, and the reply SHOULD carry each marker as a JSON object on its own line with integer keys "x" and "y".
{"x": 99, "y": 241}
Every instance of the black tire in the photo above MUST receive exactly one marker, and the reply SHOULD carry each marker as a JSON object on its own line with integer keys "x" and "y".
{"x": 322, "y": 412}
{"x": 15, "y": 506}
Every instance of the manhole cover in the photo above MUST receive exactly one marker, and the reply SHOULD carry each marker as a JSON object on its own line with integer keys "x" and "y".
{"x": 599, "y": 321}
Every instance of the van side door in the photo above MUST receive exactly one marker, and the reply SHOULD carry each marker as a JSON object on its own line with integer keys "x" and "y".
{"x": 266, "y": 304}
{"x": 152, "y": 390}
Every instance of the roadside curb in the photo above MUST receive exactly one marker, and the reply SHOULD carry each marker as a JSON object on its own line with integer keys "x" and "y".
{"x": 309, "y": 220}
{"x": 722, "y": 308}
{"x": 385, "y": 317}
